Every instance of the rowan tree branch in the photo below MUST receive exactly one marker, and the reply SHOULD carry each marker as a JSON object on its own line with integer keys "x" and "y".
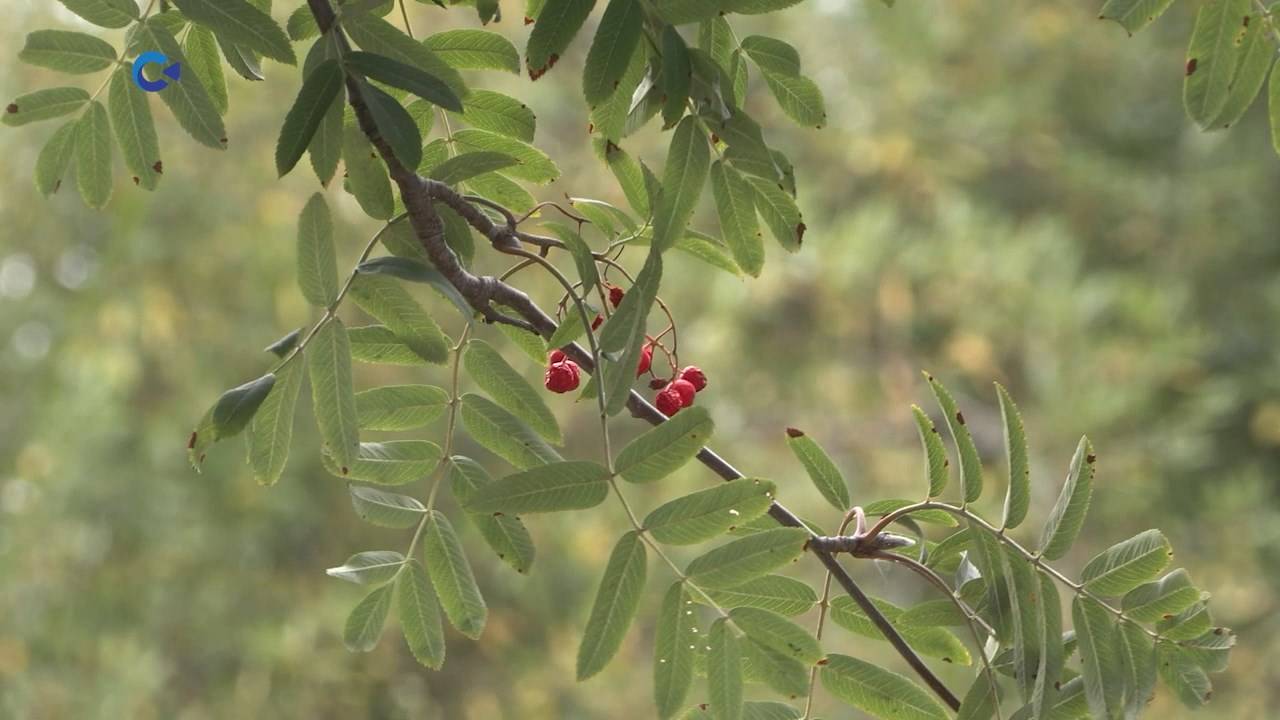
{"x": 482, "y": 292}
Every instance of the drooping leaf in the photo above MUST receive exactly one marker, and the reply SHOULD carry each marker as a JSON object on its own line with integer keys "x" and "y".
{"x": 677, "y": 76}
{"x": 113, "y": 14}
{"x": 1048, "y": 618}
{"x": 451, "y": 576}
{"x": 373, "y": 567}
{"x": 778, "y": 593}
{"x": 332, "y": 394}
{"x": 1169, "y": 595}
{"x": 375, "y": 35}
{"x": 319, "y": 91}
{"x": 615, "y": 40}
{"x": 406, "y": 77}
{"x": 571, "y": 485}
{"x": 1126, "y": 565}
{"x": 615, "y": 605}
{"x": 688, "y": 163}
{"x": 980, "y": 701}
{"x": 1068, "y": 512}
{"x": 189, "y": 100}
{"x": 556, "y": 25}
{"x": 878, "y": 692}
{"x": 1133, "y": 15}
{"x": 385, "y": 299}
{"x": 67, "y": 51}
{"x": 502, "y": 114}
{"x": 243, "y": 23}
{"x": 93, "y": 156}
{"x": 135, "y": 130}
{"x": 970, "y": 463}
{"x": 1180, "y": 672}
{"x": 271, "y": 430}
{"x": 398, "y": 128}
{"x": 377, "y": 344}
{"x": 931, "y": 641}
{"x": 673, "y": 650}
{"x": 746, "y": 558}
{"x": 534, "y": 165}
{"x": 400, "y": 407}
{"x": 504, "y": 434}
{"x": 1100, "y": 664}
{"x": 396, "y": 462}
{"x": 934, "y": 453}
{"x": 1211, "y": 59}
{"x": 470, "y": 49}
{"x": 822, "y": 471}
{"x": 325, "y": 149}
{"x": 1018, "y": 497}
{"x": 1256, "y": 53}
{"x": 201, "y": 47}
{"x": 317, "y": 262}
{"x": 1137, "y": 653}
{"x": 419, "y": 613}
{"x": 708, "y": 513}
{"x": 508, "y": 388}
{"x": 364, "y": 624}
{"x": 504, "y": 533}
{"x": 44, "y": 105}
{"x": 736, "y": 208}
{"x": 781, "y": 672}
{"x": 666, "y": 448}
{"x": 779, "y": 211}
{"x": 386, "y": 509}
{"x": 1188, "y": 624}
{"x": 54, "y": 160}
{"x": 724, "y": 673}
{"x": 777, "y": 633}
{"x": 467, "y": 165}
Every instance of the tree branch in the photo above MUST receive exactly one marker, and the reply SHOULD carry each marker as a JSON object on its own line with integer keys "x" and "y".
{"x": 420, "y": 194}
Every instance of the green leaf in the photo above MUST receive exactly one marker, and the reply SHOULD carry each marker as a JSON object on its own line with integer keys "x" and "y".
{"x": 772, "y": 55}
{"x": 822, "y": 471}
{"x": 673, "y": 651}
{"x": 505, "y": 534}
{"x": 113, "y": 14}
{"x": 784, "y": 674}
{"x": 583, "y": 260}
{"x": 301, "y": 25}
{"x": 616, "y": 39}
{"x": 935, "y": 454}
{"x": 1212, "y": 650}
{"x": 624, "y": 333}
{"x": 1018, "y": 497}
{"x": 1024, "y": 615}
{"x": 319, "y": 92}
{"x": 709, "y": 251}
{"x": 383, "y": 297}
{"x": 55, "y": 159}
{"x": 1073, "y": 503}
{"x": 228, "y": 416}
{"x": 1256, "y": 51}
{"x": 377, "y": 344}
{"x": 724, "y": 672}
{"x": 504, "y": 434}
{"x": 396, "y": 462}
{"x": 317, "y": 263}
{"x": 778, "y": 593}
{"x": 406, "y": 77}
{"x": 364, "y": 624}
{"x": 93, "y": 156}
{"x": 67, "y": 51}
{"x": 502, "y": 114}
{"x": 677, "y": 76}
{"x": 509, "y": 389}
{"x": 629, "y": 173}
{"x": 756, "y": 7}
{"x": 419, "y": 613}
{"x": 271, "y": 430}
{"x": 415, "y": 270}
{"x": 398, "y": 128}
{"x": 242, "y": 23}
{"x": 1273, "y": 109}
{"x": 334, "y": 400}
{"x": 1180, "y": 672}
{"x": 1133, "y": 15}
{"x": 1048, "y": 619}
{"x": 768, "y": 711}
{"x": 1100, "y": 664}
{"x": 1169, "y": 595}
{"x": 468, "y": 165}
{"x": 188, "y": 100}
{"x": 615, "y": 605}
{"x": 980, "y": 701}
{"x": 532, "y": 345}
{"x": 741, "y": 560}
{"x": 878, "y": 692}
{"x": 609, "y": 118}
{"x": 325, "y": 148}
{"x": 400, "y": 407}
{"x": 779, "y": 211}
{"x": 44, "y": 105}
{"x": 1137, "y": 653}
{"x": 667, "y": 447}
{"x": 688, "y": 163}
{"x": 566, "y": 485}
{"x": 970, "y": 463}
{"x": 201, "y": 48}
{"x": 1211, "y": 59}
{"x": 375, "y": 35}
{"x": 1188, "y": 624}
{"x": 708, "y": 513}
{"x": 534, "y": 165}
{"x": 1126, "y": 565}
{"x": 931, "y": 641}
{"x": 373, "y": 567}
{"x": 799, "y": 97}
{"x": 777, "y": 633}
{"x": 135, "y": 130}
{"x": 556, "y": 25}
{"x": 736, "y": 208}
{"x": 451, "y": 576}
{"x": 470, "y": 49}
{"x": 500, "y": 189}
{"x": 386, "y": 509}
{"x": 681, "y": 12}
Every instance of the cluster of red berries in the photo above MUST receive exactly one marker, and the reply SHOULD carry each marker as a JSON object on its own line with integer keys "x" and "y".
{"x": 562, "y": 375}
{"x": 679, "y": 393}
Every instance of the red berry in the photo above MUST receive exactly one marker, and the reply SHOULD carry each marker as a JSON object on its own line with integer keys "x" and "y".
{"x": 686, "y": 391}
{"x": 668, "y": 402}
{"x": 596, "y": 323}
{"x": 615, "y": 295}
{"x": 657, "y": 384}
{"x": 695, "y": 376}
{"x": 562, "y": 377}
{"x": 557, "y": 356}
{"x": 646, "y": 360}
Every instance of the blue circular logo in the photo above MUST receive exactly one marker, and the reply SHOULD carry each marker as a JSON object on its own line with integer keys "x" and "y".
{"x": 173, "y": 71}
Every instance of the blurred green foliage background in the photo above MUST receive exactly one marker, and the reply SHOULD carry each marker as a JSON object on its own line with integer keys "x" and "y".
{"x": 1002, "y": 193}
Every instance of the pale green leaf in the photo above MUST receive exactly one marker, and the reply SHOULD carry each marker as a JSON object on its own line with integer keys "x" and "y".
{"x": 1169, "y": 595}
{"x": 1068, "y": 513}
{"x": 878, "y": 692}
{"x": 1126, "y": 565}
{"x": 1100, "y": 663}
{"x": 571, "y": 485}
{"x": 385, "y": 299}
{"x": 735, "y": 205}
{"x": 188, "y": 100}
{"x": 1257, "y": 50}
{"x": 1211, "y": 58}
{"x": 502, "y": 114}
{"x": 1137, "y": 653}
{"x": 934, "y": 453}
{"x": 504, "y": 533}
{"x": 667, "y": 447}
{"x": 504, "y": 434}
{"x": 822, "y": 471}
{"x": 400, "y": 407}
{"x": 135, "y": 130}
{"x": 44, "y": 105}
{"x": 534, "y": 165}
{"x": 778, "y": 593}
{"x": 113, "y": 14}
{"x": 556, "y": 25}
{"x": 201, "y": 48}
{"x": 386, "y": 509}
{"x": 673, "y": 650}
{"x": 931, "y": 641}
{"x": 366, "y": 176}
{"x": 779, "y": 211}
{"x": 970, "y": 463}
{"x": 779, "y": 671}
{"x": 708, "y": 513}
{"x": 777, "y": 633}
{"x": 317, "y": 262}
{"x": 67, "y": 51}
{"x": 243, "y": 23}
{"x": 271, "y": 430}
{"x": 1180, "y": 672}
{"x": 469, "y": 164}
{"x": 419, "y": 613}
{"x": 364, "y": 624}
{"x": 741, "y": 560}
{"x": 1018, "y": 498}
{"x": 377, "y": 344}
{"x": 54, "y": 160}
{"x": 688, "y": 163}
{"x": 373, "y": 567}
{"x": 724, "y": 672}
{"x": 470, "y": 49}
{"x": 616, "y": 39}
{"x": 615, "y": 605}
{"x": 451, "y": 576}
{"x": 332, "y": 395}
{"x": 1133, "y": 15}
{"x": 508, "y": 388}
{"x": 1188, "y": 624}
{"x": 93, "y": 156}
